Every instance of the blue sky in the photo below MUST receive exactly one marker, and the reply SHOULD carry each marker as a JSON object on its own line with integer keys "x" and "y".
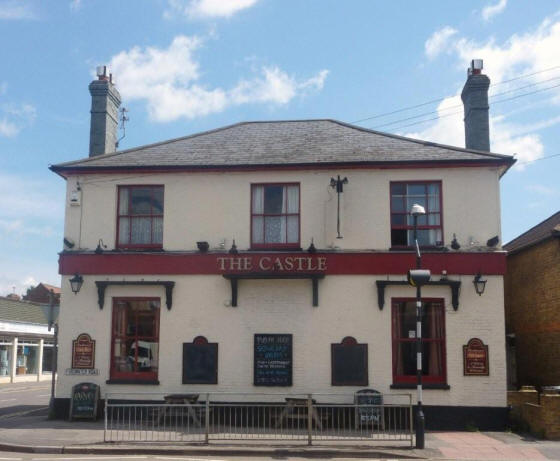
{"x": 184, "y": 66}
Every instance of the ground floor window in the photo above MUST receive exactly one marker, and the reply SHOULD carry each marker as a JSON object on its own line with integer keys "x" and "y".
{"x": 27, "y": 357}
{"x": 48, "y": 356}
{"x": 404, "y": 341}
{"x": 5, "y": 355}
{"x": 135, "y": 338}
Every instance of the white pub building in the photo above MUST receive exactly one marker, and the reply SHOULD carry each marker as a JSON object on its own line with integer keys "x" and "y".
{"x": 296, "y": 233}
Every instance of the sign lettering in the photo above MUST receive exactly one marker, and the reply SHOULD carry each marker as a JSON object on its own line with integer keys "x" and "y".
{"x": 475, "y": 358}
{"x": 83, "y": 352}
{"x": 272, "y": 263}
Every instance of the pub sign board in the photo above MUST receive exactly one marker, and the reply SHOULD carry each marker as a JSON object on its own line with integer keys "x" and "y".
{"x": 83, "y": 402}
{"x": 83, "y": 352}
{"x": 475, "y": 358}
{"x": 273, "y": 360}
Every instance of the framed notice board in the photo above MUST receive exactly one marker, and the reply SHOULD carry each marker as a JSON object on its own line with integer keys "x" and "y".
{"x": 83, "y": 401}
{"x": 349, "y": 363}
{"x": 272, "y": 360}
{"x": 200, "y": 362}
{"x": 475, "y": 358}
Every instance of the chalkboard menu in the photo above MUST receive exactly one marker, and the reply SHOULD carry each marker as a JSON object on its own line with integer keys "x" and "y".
{"x": 200, "y": 362}
{"x": 273, "y": 360}
{"x": 349, "y": 363}
{"x": 83, "y": 402}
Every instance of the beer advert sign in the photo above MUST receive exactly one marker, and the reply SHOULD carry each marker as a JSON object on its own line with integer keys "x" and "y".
{"x": 475, "y": 358}
{"x": 83, "y": 352}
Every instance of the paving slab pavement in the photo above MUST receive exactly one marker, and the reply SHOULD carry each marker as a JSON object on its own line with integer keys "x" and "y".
{"x": 35, "y": 433}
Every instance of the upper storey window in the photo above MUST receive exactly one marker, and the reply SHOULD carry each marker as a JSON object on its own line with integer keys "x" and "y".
{"x": 275, "y": 215}
{"x": 403, "y": 196}
{"x": 140, "y": 217}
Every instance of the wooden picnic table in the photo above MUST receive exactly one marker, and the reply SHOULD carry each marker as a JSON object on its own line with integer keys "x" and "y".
{"x": 290, "y": 411}
{"x": 187, "y": 400}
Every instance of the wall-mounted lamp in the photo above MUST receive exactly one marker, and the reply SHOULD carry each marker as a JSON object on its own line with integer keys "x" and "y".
{"x": 100, "y": 247}
{"x": 76, "y": 283}
{"x": 479, "y": 284}
{"x": 338, "y": 185}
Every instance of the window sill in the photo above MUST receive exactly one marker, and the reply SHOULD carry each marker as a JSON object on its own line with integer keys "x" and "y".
{"x": 150, "y": 382}
{"x": 434, "y": 248}
{"x": 275, "y": 249}
{"x": 440, "y": 386}
{"x": 155, "y": 249}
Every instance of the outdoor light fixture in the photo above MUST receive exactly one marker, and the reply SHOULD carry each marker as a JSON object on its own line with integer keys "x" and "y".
{"x": 76, "y": 283}
{"x": 338, "y": 185}
{"x": 479, "y": 284}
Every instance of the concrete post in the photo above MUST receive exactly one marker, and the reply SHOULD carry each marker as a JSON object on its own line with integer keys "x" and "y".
{"x": 40, "y": 360}
{"x": 13, "y": 364}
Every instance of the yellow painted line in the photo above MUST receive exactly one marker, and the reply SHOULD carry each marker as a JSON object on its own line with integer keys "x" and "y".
{"x": 22, "y": 413}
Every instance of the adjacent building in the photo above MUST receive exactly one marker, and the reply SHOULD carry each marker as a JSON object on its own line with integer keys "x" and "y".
{"x": 532, "y": 305}
{"x": 27, "y": 346}
{"x": 295, "y": 234}
{"x": 41, "y": 294}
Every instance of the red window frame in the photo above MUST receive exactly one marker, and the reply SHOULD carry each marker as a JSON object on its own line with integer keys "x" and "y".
{"x": 276, "y": 245}
{"x": 407, "y": 212}
{"x": 133, "y": 375}
{"x": 411, "y": 379}
{"x": 129, "y": 216}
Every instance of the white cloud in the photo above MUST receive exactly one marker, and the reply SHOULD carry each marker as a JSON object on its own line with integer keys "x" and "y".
{"x": 16, "y": 9}
{"x": 492, "y": 10}
{"x": 27, "y": 197}
{"x": 75, "y": 5}
{"x": 7, "y": 128}
{"x": 168, "y": 80}
{"x": 438, "y": 41}
{"x": 15, "y": 117}
{"x": 201, "y": 9}
{"x": 23, "y": 276}
{"x": 541, "y": 190}
{"x": 521, "y": 54}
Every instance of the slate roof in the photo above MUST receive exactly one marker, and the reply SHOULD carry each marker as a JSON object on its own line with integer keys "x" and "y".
{"x": 24, "y": 312}
{"x": 286, "y": 143}
{"x": 550, "y": 227}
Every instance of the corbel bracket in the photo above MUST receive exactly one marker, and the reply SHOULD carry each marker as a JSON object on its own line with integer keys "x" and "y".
{"x": 103, "y": 284}
{"x": 454, "y": 285}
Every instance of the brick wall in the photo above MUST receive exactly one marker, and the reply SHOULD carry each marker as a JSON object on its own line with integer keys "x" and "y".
{"x": 543, "y": 419}
{"x": 532, "y": 305}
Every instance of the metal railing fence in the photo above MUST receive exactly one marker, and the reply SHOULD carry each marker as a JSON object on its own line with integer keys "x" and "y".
{"x": 278, "y": 417}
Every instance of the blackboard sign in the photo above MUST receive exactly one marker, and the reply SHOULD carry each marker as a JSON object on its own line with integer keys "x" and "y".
{"x": 83, "y": 402}
{"x": 273, "y": 360}
{"x": 200, "y": 362}
{"x": 369, "y": 410}
{"x": 349, "y": 363}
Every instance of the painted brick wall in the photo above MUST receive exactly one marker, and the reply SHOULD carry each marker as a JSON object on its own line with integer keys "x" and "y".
{"x": 532, "y": 305}
{"x": 347, "y": 307}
